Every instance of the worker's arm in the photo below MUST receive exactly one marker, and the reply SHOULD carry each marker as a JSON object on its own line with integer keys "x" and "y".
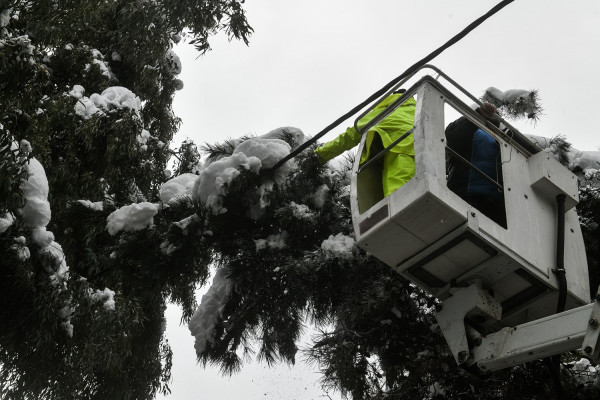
{"x": 337, "y": 146}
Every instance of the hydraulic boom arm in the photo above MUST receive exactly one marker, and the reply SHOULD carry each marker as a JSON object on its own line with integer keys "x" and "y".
{"x": 578, "y": 328}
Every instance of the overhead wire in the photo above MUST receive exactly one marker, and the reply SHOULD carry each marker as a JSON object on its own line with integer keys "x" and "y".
{"x": 393, "y": 82}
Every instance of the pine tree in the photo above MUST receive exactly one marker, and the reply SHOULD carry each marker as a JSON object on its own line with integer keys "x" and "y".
{"x": 90, "y": 86}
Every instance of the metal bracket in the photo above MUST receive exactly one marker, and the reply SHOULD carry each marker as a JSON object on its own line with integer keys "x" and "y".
{"x": 541, "y": 338}
{"x": 468, "y": 302}
{"x": 591, "y": 347}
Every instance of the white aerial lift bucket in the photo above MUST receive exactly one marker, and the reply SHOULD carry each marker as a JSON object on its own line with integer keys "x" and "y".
{"x": 438, "y": 241}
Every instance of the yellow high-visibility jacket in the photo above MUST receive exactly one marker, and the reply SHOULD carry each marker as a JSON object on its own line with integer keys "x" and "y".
{"x": 396, "y": 170}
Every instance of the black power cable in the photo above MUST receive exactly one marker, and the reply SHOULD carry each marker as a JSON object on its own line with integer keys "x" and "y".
{"x": 387, "y": 87}
{"x": 553, "y": 363}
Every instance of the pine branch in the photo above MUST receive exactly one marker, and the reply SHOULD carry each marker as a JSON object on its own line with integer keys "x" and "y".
{"x": 515, "y": 104}
{"x": 219, "y": 150}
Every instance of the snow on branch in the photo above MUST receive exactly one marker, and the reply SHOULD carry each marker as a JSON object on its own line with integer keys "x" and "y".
{"x": 114, "y": 97}
{"x": 515, "y": 103}
{"x": 210, "y": 311}
{"x": 340, "y": 246}
{"x": 130, "y": 218}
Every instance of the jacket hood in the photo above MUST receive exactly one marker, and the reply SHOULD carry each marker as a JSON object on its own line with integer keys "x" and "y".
{"x": 393, "y": 97}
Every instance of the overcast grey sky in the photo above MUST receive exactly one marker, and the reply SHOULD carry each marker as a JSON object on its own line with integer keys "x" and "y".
{"x": 311, "y": 61}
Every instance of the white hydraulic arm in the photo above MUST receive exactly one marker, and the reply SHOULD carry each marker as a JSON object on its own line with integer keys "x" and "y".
{"x": 578, "y": 328}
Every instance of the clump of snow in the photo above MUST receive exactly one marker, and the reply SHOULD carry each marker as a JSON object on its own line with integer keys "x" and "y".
{"x": 36, "y": 211}
{"x": 181, "y": 185}
{"x": 508, "y": 96}
{"x": 340, "y": 246}
{"x": 319, "y": 197}
{"x": 6, "y": 221}
{"x": 142, "y": 139}
{"x": 77, "y": 91}
{"x": 133, "y": 217}
{"x": 168, "y": 248}
{"x": 584, "y": 372}
{"x": 96, "y": 206}
{"x": 99, "y": 61}
{"x": 106, "y": 296}
{"x": 36, "y": 214}
{"x": 104, "y": 69}
{"x": 436, "y": 390}
{"x": 25, "y": 147}
{"x": 205, "y": 318}
{"x": 114, "y": 97}
{"x": 268, "y": 151}
{"x": 251, "y": 154}
{"x": 20, "y": 248}
{"x": 53, "y": 260}
{"x": 5, "y": 17}
{"x": 211, "y": 186}
{"x": 68, "y": 328}
{"x": 42, "y": 237}
{"x": 293, "y": 136}
{"x": 586, "y": 161}
{"x": 86, "y": 108}
{"x": 117, "y": 97}
{"x": 173, "y": 61}
{"x": 273, "y": 242}
{"x": 184, "y": 223}
{"x": 301, "y": 211}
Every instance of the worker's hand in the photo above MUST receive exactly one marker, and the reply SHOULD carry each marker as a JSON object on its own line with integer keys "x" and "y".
{"x": 489, "y": 112}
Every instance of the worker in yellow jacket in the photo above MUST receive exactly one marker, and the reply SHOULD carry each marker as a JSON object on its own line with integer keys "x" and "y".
{"x": 399, "y": 161}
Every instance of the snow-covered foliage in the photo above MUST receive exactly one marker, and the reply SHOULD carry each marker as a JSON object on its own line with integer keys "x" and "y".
{"x": 339, "y": 245}
{"x": 36, "y": 211}
{"x": 101, "y": 64}
{"x": 211, "y": 186}
{"x": 93, "y": 92}
{"x": 173, "y": 62}
{"x": 6, "y": 221}
{"x": 5, "y": 17}
{"x": 268, "y": 151}
{"x": 514, "y": 103}
{"x": 106, "y": 296}
{"x": 578, "y": 161}
{"x": 281, "y": 242}
{"x": 112, "y": 98}
{"x": 203, "y": 322}
{"x": 96, "y": 206}
{"x": 291, "y": 135}
{"x": 177, "y": 187}
{"x": 272, "y": 242}
{"x": 133, "y": 217}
